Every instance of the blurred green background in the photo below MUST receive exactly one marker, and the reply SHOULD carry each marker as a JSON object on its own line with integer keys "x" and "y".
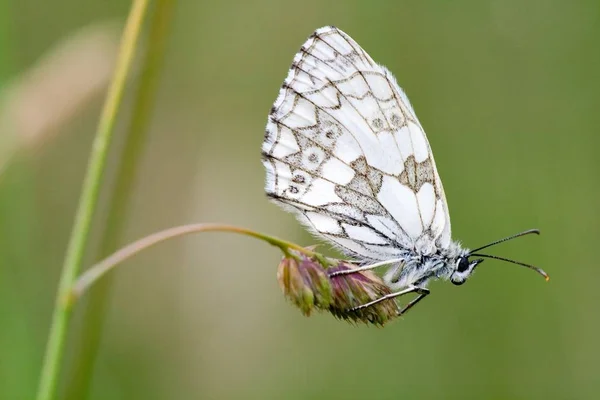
{"x": 508, "y": 92}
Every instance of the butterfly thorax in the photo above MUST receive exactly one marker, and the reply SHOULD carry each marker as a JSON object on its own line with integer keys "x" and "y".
{"x": 420, "y": 266}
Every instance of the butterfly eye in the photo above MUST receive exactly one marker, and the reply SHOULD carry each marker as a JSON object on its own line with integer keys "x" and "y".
{"x": 463, "y": 264}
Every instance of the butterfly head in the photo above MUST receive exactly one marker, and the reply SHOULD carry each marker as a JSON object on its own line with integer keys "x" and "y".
{"x": 463, "y": 269}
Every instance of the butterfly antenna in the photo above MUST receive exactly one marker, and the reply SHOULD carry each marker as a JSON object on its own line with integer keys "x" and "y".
{"x": 527, "y": 232}
{"x": 536, "y": 269}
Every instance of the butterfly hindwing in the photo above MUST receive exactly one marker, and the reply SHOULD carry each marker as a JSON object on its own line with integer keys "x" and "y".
{"x": 345, "y": 151}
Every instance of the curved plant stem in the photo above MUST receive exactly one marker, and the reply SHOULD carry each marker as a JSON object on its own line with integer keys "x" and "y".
{"x": 87, "y": 203}
{"x": 80, "y": 374}
{"x": 90, "y": 276}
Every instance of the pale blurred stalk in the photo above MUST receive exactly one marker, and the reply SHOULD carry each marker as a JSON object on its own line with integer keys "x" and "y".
{"x": 61, "y": 316}
{"x": 95, "y": 308}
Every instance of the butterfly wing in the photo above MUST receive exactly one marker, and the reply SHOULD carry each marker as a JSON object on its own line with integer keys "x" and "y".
{"x": 345, "y": 151}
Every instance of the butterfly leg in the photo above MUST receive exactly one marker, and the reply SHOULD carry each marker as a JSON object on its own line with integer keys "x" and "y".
{"x": 365, "y": 267}
{"x": 392, "y": 296}
{"x": 422, "y": 293}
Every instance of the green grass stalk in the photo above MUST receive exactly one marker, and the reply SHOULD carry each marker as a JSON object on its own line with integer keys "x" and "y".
{"x": 87, "y": 204}
{"x": 160, "y": 20}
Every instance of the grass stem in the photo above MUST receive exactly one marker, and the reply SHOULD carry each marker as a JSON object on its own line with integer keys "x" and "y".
{"x": 160, "y": 18}
{"x": 87, "y": 204}
{"x": 91, "y": 275}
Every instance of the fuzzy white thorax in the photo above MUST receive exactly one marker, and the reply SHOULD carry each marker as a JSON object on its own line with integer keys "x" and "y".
{"x": 418, "y": 268}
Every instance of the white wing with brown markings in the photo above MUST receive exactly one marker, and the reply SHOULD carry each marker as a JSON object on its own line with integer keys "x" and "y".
{"x": 344, "y": 150}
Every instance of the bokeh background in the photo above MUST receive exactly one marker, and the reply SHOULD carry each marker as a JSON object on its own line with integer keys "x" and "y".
{"x": 508, "y": 92}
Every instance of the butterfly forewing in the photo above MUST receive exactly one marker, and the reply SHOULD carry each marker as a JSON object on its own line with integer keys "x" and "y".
{"x": 345, "y": 151}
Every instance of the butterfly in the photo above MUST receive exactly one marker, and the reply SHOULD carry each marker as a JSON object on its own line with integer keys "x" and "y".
{"x": 345, "y": 151}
